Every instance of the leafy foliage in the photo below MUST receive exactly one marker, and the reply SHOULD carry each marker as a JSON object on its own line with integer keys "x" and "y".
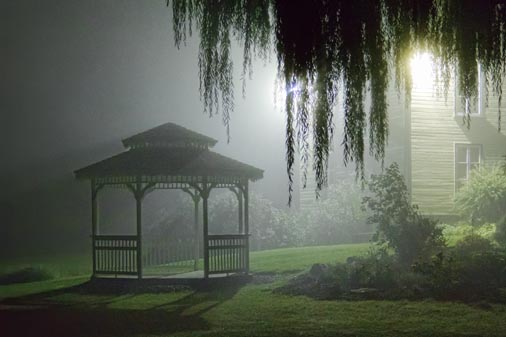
{"x": 336, "y": 217}
{"x": 454, "y": 233}
{"x": 322, "y": 46}
{"x": 376, "y": 269}
{"x": 474, "y": 269}
{"x": 270, "y": 227}
{"x": 399, "y": 223}
{"x": 472, "y": 244}
{"x": 483, "y": 198}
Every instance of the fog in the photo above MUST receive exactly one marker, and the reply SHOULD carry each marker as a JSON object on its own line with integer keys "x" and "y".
{"x": 79, "y": 76}
{"x": 166, "y": 232}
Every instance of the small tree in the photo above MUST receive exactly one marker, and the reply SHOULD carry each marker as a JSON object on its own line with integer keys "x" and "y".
{"x": 399, "y": 223}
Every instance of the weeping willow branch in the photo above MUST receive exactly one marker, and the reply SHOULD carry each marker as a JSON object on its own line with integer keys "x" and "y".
{"x": 323, "y": 46}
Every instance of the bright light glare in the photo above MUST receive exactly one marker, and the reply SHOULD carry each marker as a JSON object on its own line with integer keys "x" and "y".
{"x": 294, "y": 88}
{"x": 422, "y": 70}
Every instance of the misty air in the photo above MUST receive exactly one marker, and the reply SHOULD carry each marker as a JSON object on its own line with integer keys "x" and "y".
{"x": 252, "y": 168}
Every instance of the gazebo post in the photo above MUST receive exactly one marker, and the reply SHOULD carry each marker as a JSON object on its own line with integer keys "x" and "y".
{"x": 246, "y": 223}
{"x": 205, "y": 196}
{"x": 94, "y": 223}
{"x": 139, "y": 194}
{"x": 241, "y": 217}
{"x": 238, "y": 193}
{"x": 196, "y": 200}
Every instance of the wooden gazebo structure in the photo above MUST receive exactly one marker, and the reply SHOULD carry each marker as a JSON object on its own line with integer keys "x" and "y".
{"x": 170, "y": 157}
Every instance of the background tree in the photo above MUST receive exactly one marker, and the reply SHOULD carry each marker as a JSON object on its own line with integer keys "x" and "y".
{"x": 270, "y": 227}
{"x": 336, "y": 217}
{"x": 323, "y": 46}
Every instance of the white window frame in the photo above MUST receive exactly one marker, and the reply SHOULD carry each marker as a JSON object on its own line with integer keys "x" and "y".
{"x": 468, "y": 147}
{"x": 479, "y": 98}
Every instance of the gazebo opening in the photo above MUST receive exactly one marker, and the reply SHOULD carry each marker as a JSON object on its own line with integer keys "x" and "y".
{"x": 174, "y": 246}
{"x": 170, "y": 157}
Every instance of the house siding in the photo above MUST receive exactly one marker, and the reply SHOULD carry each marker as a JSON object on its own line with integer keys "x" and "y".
{"x": 434, "y": 132}
{"x": 422, "y": 139}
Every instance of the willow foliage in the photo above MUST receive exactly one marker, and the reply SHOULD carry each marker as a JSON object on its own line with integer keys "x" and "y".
{"x": 324, "y": 46}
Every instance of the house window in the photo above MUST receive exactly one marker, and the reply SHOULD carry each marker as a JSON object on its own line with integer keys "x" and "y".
{"x": 467, "y": 159}
{"x": 473, "y": 105}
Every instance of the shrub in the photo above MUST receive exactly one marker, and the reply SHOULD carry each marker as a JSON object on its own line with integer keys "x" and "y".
{"x": 456, "y": 232}
{"x": 377, "y": 269}
{"x": 439, "y": 275}
{"x": 472, "y": 244}
{"x": 483, "y": 198}
{"x": 473, "y": 270}
{"x": 29, "y": 274}
{"x": 399, "y": 223}
{"x": 482, "y": 271}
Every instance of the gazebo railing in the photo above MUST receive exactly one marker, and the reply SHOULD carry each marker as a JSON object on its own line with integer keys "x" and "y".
{"x": 228, "y": 253}
{"x": 168, "y": 251}
{"x": 115, "y": 254}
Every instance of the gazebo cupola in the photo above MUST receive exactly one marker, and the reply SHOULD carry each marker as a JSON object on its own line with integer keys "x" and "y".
{"x": 171, "y": 157}
{"x": 169, "y": 135}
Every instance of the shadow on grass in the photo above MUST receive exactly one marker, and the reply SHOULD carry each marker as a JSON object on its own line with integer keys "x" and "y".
{"x": 39, "y": 315}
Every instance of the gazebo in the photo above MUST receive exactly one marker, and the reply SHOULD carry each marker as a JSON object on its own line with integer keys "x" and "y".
{"x": 170, "y": 157}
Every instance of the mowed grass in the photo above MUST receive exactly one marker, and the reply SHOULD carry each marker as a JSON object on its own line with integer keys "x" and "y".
{"x": 75, "y": 269}
{"x": 60, "y": 266}
{"x": 251, "y": 310}
{"x": 67, "y": 271}
{"x": 285, "y": 260}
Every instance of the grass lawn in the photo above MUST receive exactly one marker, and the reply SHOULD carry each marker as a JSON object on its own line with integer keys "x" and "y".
{"x": 251, "y": 310}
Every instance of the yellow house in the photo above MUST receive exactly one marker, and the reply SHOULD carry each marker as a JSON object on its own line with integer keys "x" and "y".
{"x": 443, "y": 150}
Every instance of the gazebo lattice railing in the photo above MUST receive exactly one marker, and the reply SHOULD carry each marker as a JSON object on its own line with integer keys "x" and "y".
{"x": 170, "y": 157}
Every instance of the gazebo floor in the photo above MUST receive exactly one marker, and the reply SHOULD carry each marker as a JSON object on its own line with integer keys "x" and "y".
{"x": 197, "y": 274}
{"x": 193, "y": 279}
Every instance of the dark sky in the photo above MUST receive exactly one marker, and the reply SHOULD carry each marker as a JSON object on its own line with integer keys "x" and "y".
{"x": 77, "y": 76}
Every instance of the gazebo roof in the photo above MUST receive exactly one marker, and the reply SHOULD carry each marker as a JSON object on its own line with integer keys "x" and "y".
{"x": 169, "y": 134}
{"x": 177, "y": 152}
{"x": 171, "y": 162}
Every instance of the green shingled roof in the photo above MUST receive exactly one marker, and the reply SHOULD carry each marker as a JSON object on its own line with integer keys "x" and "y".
{"x": 169, "y": 161}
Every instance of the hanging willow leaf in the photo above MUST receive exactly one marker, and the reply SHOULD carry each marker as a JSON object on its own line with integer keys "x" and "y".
{"x": 323, "y": 46}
